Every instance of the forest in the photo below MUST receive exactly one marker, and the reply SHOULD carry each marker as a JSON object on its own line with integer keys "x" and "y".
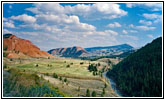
{"x": 140, "y": 74}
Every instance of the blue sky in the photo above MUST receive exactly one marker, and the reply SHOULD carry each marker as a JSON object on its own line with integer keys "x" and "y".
{"x": 55, "y": 25}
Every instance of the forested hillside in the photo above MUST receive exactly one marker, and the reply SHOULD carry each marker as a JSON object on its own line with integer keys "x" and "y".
{"x": 140, "y": 74}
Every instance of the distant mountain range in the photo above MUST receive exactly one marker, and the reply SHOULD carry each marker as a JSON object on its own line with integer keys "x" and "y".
{"x": 108, "y": 50}
{"x": 14, "y": 47}
{"x": 93, "y": 51}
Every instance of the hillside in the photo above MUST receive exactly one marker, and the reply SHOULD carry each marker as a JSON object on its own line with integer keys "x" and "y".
{"x": 108, "y": 50}
{"x": 140, "y": 74}
{"x": 68, "y": 52}
{"x": 15, "y": 47}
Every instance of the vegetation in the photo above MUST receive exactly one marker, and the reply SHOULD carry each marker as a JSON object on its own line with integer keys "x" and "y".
{"x": 18, "y": 84}
{"x": 55, "y": 75}
{"x": 68, "y": 66}
{"x": 140, "y": 74}
{"x": 60, "y": 78}
{"x": 87, "y": 93}
{"x": 5, "y": 54}
{"x": 94, "y": 94}
{"x": 65, "y": 80}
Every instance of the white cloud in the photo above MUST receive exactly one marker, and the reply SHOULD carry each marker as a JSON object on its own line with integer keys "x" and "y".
{"x": 115, "y": 24}
{"x": 125, "y": 32}
{"x": 111, "y": 32}
{"x": 152, "y": 6}
{"x": 150, "y": 36}
{"x": 99, "y": 10}
{"x": 8, "y": 24}
{"x": 145, "y": 28}
{"x": 145, "y": 22}
{"x": 5, "y": 19}
{"x": 156, "y": 17}
{"x": 25, "y": 18}
{"x": 5, "y": 31}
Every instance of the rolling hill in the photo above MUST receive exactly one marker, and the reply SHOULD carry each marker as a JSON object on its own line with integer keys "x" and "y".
{"x": 15, "y": 47}
{"x": 108, "y": 50}
{"x": 140, "y": 74}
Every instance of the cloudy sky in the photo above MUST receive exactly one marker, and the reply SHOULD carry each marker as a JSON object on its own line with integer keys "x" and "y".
{"x": 54, "y": 25}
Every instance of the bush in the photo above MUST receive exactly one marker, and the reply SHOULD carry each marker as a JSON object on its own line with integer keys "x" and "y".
{"x": 87, "y": 93}
{"x": 94, "y": 94}
{"x": 60, "y": 78}
{"x": 5, "y": 54}
{"x": 81, "y": 63}
{"x": 68, "y": 66}
{"x": 65, "y": 80}
{"x": 105, "y": 86}
{"x": 55, "y": 75}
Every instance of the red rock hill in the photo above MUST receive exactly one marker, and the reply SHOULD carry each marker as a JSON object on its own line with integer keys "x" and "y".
{"x": 19, "y": 48}
{"x": 69, "y": 52}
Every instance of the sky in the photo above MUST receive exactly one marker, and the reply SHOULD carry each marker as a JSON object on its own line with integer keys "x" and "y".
{"x": 55, "y": 25}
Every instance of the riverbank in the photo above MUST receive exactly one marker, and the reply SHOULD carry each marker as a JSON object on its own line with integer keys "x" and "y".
{"x": 113, "y": 85}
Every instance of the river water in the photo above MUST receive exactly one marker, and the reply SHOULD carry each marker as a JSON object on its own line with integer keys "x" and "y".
{"x": 113, "y": 85}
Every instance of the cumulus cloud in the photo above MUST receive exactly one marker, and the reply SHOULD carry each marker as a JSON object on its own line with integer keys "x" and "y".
{"x": 8, "y": 24}
{"x": 26, "y": 18}
{"x": 99, "y": 10}
{"x": 152, "y": 6}
{"x": 113, "y": 25}
{"x": 145, "y": 22}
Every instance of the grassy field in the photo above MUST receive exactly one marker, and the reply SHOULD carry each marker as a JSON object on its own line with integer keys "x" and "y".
{"x": 57, "y": 65}
{"x": 74, "y": 70}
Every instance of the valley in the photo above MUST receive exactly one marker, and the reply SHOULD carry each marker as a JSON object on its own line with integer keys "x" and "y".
{"x": 78, "y": 77}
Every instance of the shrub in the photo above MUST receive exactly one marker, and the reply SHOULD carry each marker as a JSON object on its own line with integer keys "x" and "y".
{"x": 65, "y": 80}
{"x": 94, "y": 94}
{"x": 81, "y": 63}
{"x": 105, "y": 86}
{"x": 60, "y": 78}
{"x": 5, "y": 54}
{"x": 87, "y": 93}
{"x": 68, "y": 66}
{"x": 55, "y": 75}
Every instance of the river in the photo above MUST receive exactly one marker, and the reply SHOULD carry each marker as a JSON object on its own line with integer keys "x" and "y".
{"x": 113, "y": 85}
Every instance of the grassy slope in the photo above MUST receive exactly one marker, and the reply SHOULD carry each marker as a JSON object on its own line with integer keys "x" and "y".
{"x": 19, "y": 84}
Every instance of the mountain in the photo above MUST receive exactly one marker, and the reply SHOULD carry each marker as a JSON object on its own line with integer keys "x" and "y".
{"x": 140, "y": 74}
{"x": 116, "y": 47}
{"x": 68, "y": 52}
{"x": 108, "y": 50}
{"x": 14, "y": 47}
